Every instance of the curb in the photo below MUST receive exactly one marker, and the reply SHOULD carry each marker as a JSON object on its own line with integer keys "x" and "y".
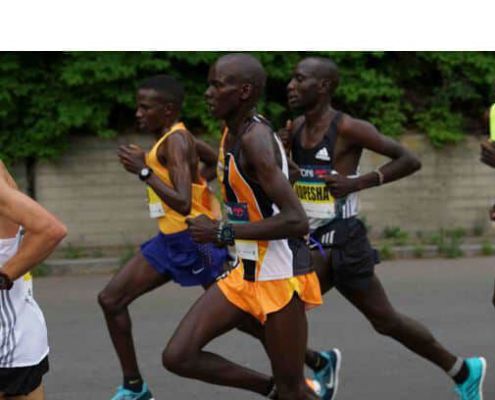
{"x": 431, "y": 251}
{"x": 81, "y": 266}
{"x": 107, "y": 265}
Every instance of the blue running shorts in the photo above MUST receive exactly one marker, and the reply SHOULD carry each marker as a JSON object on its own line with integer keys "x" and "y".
{"x": 188, "y": 263}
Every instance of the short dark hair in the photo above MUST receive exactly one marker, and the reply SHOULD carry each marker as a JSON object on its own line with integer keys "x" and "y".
{"x": 167, "y": 86}
{"x": 248, "y": 69}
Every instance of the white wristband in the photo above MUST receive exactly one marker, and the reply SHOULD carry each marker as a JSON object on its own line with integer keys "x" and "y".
{"x": 380, "y": 176}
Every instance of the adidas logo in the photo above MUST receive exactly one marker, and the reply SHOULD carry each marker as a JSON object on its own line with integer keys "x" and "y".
{"x": 322, "y": 154}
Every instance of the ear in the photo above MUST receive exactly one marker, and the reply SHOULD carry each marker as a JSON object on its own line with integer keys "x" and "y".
{"x": 247, "y": 91}
{"x": 169, "y": 109}
{"x": 326, "y": 86}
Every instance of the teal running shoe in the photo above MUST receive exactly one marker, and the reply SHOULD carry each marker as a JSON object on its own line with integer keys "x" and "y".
{"x": 472, "y": 388}
{"x": 126, "y": 394}
{"x": 328, "y": 377}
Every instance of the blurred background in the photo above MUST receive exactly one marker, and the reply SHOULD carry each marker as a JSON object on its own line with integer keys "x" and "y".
{"x": 63, "y": 115}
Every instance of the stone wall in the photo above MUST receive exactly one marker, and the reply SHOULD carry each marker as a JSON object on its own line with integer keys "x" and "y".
{"x": 104, "y": 206}
{"x": 101, "y": 203}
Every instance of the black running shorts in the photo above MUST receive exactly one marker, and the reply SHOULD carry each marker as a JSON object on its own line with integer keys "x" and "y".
{"x": 353, "y": 258}
{"x": 21, "y": 381}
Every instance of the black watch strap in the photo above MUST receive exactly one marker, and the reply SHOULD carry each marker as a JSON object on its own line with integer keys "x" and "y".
{"x": 226, "y": 234}
{"x": 5, "y": 282}
{"x": 145, "y": 177}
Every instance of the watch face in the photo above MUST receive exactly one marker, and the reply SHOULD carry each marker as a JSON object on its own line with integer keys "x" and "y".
{"x": 144, "y": 173}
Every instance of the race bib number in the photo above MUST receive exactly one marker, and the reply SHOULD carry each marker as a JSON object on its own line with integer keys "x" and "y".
{"x": 154, "y": 204}
{"x": 313, "y": 193}
{"x": 237, "y": 213}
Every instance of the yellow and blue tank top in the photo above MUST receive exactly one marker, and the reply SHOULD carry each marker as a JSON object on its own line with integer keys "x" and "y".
{"x": 169, "y": 220}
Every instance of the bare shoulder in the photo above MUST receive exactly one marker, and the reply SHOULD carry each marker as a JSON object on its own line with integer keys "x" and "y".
{"x": 349, "y": 124}
{"x": 183, "y": 135}
{"x": 179, "y": 139}
{"x": 5, "y": 176}
{"x": 258, "y": 135}
{"x": 297, "y": 123}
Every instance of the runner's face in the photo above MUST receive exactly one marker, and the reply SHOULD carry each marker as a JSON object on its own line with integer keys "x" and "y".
{"x": 151, "y": 111}
{"x": 303, "y": 88}
{"x": 223, "y": 93}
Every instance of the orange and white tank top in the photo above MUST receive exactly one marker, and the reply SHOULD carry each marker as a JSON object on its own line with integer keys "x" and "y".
{"x": 169, "y": 220}
{"x": 245, "y": 201}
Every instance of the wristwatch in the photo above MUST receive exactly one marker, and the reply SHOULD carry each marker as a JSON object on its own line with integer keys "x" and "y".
{"x": 5, "y": 282}
{"x": 226, "y": 234}
{"x": 145, "y": 173}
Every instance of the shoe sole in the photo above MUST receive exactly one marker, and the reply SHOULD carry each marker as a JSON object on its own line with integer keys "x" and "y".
{"x": 483, "y": 373}
{"x": 337, "y": 371}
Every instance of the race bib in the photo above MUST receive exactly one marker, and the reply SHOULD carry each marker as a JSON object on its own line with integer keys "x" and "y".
{"x": 237, "y": 213}
{"x": 313, "y": 193}
{"x": 154, "y": 204}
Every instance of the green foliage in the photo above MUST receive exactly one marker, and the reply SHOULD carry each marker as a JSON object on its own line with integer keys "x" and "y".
{"x": 449, "y": 242}
{"x": 386, "y": 252}
{"x": 46, "y": 97}
{"x": 487, "y": 248}
{"x": 126, "y": 254}
{"x": 418, "y": 251}
{"x": 72, "y": 252}
{"x": 398, "y": 236}
{"x": 40, "y": 271}
{"x": 478, "y": 229}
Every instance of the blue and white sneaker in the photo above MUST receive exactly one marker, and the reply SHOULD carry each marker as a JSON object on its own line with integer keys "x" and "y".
{"x": 126, "y": 394}
{"x": 472, "y": 388}
{"x": 328, "y": 377}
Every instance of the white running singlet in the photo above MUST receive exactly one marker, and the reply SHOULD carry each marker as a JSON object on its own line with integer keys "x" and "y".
{"x": 23, "y": 335}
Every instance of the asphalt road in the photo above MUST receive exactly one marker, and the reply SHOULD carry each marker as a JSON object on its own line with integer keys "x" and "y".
{"x": 452, "y": 297}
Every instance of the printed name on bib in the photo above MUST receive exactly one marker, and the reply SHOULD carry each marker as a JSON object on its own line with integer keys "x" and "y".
{"x": 313, "y": 193}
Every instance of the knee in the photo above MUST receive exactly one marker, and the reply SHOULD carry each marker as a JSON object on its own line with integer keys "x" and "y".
{"x": 177, "y": 359}
{"x": 109, "y": 303}
{"x": 385, "y": 323}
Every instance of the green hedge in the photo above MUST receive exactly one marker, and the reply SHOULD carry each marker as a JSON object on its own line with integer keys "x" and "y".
{"x": 44, "y": 97}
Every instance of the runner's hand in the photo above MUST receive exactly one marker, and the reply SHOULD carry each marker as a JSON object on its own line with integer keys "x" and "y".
{"x": 132, "y": 157}
{"x": 203, "y": 229}
{"x": 488, "y": 153}
{"x": 285, "y": 135}
{"x": 492, "y": 213}
{"x": 340, "y": 186}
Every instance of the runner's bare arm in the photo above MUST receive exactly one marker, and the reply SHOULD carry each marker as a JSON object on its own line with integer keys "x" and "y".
{"x": 294, "y": 171}
{"x": 487, "y": 151}
{"x": 43, "y": 231}
{"x": 4, "y": 173}
{"x": 403, "y": 162}
{"x": 259, "y": 152}
{"x": 177, "y": 151}
{"x": 209, "y": 157}
{"x": 364, "y": 135}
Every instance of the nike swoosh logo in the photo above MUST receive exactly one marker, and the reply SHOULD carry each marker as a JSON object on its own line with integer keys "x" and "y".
{"x": 197, "y": 271}
{"x": 330, "y": 384}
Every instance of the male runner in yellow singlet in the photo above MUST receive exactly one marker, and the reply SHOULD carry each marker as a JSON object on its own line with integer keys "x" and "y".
{"x": 175, "y": 191}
